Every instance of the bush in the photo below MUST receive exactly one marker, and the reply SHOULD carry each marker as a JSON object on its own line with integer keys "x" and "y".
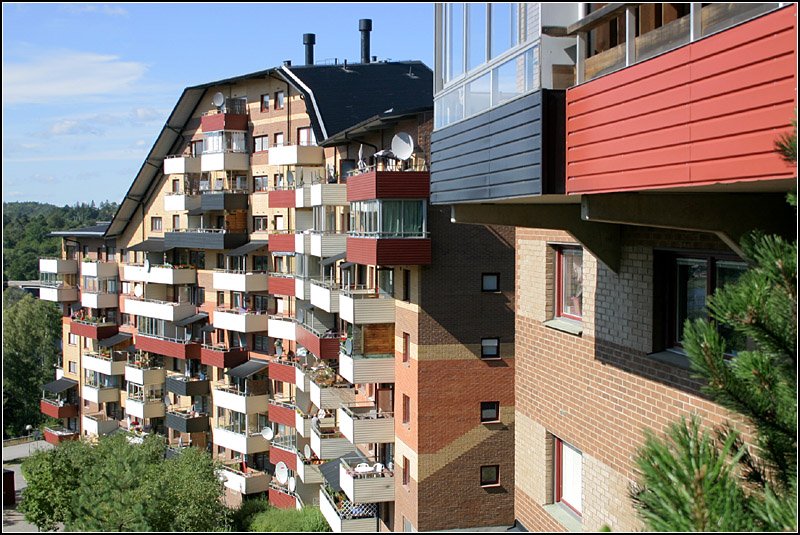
{"x": 288, "y": 520}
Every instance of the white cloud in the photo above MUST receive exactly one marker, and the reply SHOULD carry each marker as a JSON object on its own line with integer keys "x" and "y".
{"x": 100, "y": 122}
{"x": 105, "y": 9}
{"x": 72, "y": 127}
{"x": 58, "y": 75}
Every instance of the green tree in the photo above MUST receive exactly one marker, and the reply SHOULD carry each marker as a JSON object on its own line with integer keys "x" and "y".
{"x": 31, "y": 346}
{"x": 693, "y": 482}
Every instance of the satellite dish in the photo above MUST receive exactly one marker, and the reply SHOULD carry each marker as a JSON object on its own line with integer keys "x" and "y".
{"x": 138, "y": 291}
{"x": 218, "y": 100}
{"x": 222, "y": 476}
{"x": 302, "y": 352}
{"x": 322, "y": 414}
{"x": 307, "y": 451}
{"x": 267, "y": 433}
{"x": 292, "y": 484}
{"x": 348, "y": 346}
{"x": 402, "y": 146}
{"x": 282, "y": 472}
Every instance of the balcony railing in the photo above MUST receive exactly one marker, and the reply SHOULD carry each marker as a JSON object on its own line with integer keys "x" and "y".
{"x": 365, "y": 412}
{"x": 347, "y": 510}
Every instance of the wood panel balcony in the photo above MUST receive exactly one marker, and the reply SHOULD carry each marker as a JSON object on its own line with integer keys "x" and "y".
{"x": 326, "y": 244}
{"x": 57, "y": 435}
{"x": 331, "y": 396}
{"x": 170, "y": 347}
{"x": 373, "y": 250}
{"x": 365, "y": 424}
{"x": 95, "y": 330}
{"x": 329, "y": 442}
{"x": 233, "y": 118}
{"x": 60, "y": 408}
{"x": 205, "y": 238}
{"x": 145, "y": 407}
{"x": 229, "y": 397}
{"x": 98, "y": 393}
{"x": 308, "y": 470}
{"x": 366, "y": 486}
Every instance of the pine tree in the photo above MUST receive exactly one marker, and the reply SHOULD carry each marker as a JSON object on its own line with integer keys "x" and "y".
{"x": 694, "y": 482}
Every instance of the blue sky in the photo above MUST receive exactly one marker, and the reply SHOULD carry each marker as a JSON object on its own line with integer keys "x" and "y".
{"x": 87, "y": 87}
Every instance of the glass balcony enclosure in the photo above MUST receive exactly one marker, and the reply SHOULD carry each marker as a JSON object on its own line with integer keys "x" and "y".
{"x": 224, "y": 141}
{"x": 389, "y": 219}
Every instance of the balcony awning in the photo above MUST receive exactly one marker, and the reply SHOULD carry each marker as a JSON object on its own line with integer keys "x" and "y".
{"x": 330, "y": 470}
{"x": 151, "y": 245}
{"x": 60, "y": 385}
{"x": 248, "y": 247}
{"x": 330, "y": 260}
{"x": 282, "y": 254}
{"x": 208, "y": 328}
{"x": 346, "y": 265}
{"x": 114, "y": 340}
{"x": 191, "y": 319}
{"x": 251, "y": 367}
{"x": 196, "y": 211}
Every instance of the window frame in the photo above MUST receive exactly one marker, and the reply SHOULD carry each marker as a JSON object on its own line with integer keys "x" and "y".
{"x": 495, "y": 405}
{"x": 406, "y": 348}
{"x": 559, "y": 308}
{"x": 490, "y": 483}
{"x": 265, "y": 109}
{"x": 260, "y": 140}
{"x": 484, "y": 356}
{"x": 483, "y": 282}
{"x": 406, "y": 410}
{"x": 280, "y": 100}
{"x": 156, "y": 224}
{"x": 558, "y": 475}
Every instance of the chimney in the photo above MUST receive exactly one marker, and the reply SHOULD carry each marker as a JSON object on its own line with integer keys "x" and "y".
{"x": 309, "y": 39}
{"x": 365, "y": 26}
{"x": 287, "y": 62}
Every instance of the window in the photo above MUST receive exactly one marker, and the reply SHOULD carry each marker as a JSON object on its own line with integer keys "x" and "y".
{"x": 406, "y": 472}
{"x": 305, "y": 137}
{"x": 265, "y": 102}
{"x": 406, "y": 346}
{"x": 261, "y": 264}
{"x": 406, "y": 409}
{"x": 568, "y": 476}
{"x": 176, "y": 222}
{"x": 569, "y": 282}
{"x": 261, "y": 143}
{"x": 490, "y": 475}
{"x": 260, "y": 223}
{"x": 73, "y": 339}
{"x": 224, "y": 141}
{"x": 197, "y": 148}
{"x": 279, "y": 139}
{"x": 490, "y": 282}
{"x": 73, "y": 366}
{"x": 407, "y": 285}
{"x": 155, "y": 224}
{"x": 389, "y": 219}
{"x": 176, "y": 185}
{"x": 220, "y": 298}
{"x": 220, "y": 261}
{"x": 490, "y": 411}
{"x": 490, "y": 348}
{"x": 260, "y": 183}
{"x": 279, "y": 100}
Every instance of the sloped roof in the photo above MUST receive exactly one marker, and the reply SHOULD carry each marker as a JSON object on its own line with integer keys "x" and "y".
{"x": 94, "y": 231}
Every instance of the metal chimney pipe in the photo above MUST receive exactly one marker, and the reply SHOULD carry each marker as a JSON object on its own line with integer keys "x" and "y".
{"x": 365, "y": 26}
{"x": 309, "y": 39}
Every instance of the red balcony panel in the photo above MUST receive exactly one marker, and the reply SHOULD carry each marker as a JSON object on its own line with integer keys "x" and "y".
{"x": 222, "y": 358}
{"x": 706, "y": 113}
{"x": 280, "y": 414}
{"x": 167, "y": 348}
{"x": 389, "y": 251}
{"x": 277, "y": 454}
{"x": 389, "y": 185}
{"x": 281, "y": 500}
{"x": 55, "y": 438}
{"x": 281, "y": 243}
{"x": 54, "y": 411}
{"x": 284, "y": 198}
{"x": 281, "y": 372}
{"x": 223, "y": 121}
{"x": 324, "y": 348}
{"x": 89, "y": 330}
{"x": 281, "y": 285}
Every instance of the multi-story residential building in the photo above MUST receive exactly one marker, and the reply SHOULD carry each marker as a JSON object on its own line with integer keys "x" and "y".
{"x": 283, "y": 294}
{"x": 632, "y": 145}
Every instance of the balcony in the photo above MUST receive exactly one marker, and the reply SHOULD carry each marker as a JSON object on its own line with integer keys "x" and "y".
{"x": 302, "y": 378}
{"x": 308, "y": 469}
{"x": 154, "y": 308}
{"x": 240, "y": 281}
{"x": 181, "y": 202}
{"x": 282, "y": 370}
{"x": 240, "y": 320}
{"x": 143, "y": 369}
{"x": 58, "y": 266}
{"x": 62, "y": 408}
{"x": 281, "y": 497}
{"x": 57, "y": 435}
{"x": 187, "y": 421}
{"x": 388, "y": 185}
{"x": 145, "y": 407}
{"x": 282, "y": 327}
{"x": 366, "y": 482}
{"x": 224, "y": 200}
{"x": 220, "y": 356}
{"x": 178, "y": 348}
{"x": 326, "y": 394}
{"x": 93, "y": 328}
{"x": 98, "y": 300}
{"x": 282, "y": 198}
{"x": 98, "y": 425}
{"x": 98, "y": 269}
{"x": 233, "y": 116}
{"x": 181, "y": 165}
{"x": 205, "y": 238}
{"x": 112, "y": 363}
{"x": 282, "y": 411}
{"x": 361, "y": 369}
{"x": 58, "y": 294}
{"x": 373, "y": 250}
{"x": 302, "y": 197}
{"x": 328, "y": 442}
{"x": 365, "y": 424}
{"x": 302, "y": 242}
{"x": 344, "y": 516}
{"x": 187, "y": 386}
{"x": 302, "y": 424}
{"x": 97, "y": 392}
{"x": 284, "y": 449}
{"x": 160, "y": 274}
{"x": 366, "y": 306}
{"x": 281, "y": 242}
{"x": 325, "y": 295}
{"x": 230, "y": 397}
{"x": 329, "y": 195}
{"x": 302, "y": 288}
{"x": 297, "y": 155}
{"x": 246, "y": 443}
{"x": 318, "y": 339}
{"x": 281, "y": 284}
{"x": 224, "y": 161}
{"x": 249, "y": 482}
{"x": 326, "y": 244}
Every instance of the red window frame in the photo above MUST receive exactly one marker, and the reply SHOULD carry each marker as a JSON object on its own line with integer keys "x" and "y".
{"x": 559, "y": 476}
{"x": 560, "y": 283}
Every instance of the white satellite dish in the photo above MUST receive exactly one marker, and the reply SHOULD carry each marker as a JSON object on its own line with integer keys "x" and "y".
{"x": 282, "y": 472}
{"x": 292, "y": 484}
{"x": 218, "y": 100}
{"x": 307, "y": 451}
{"x": 403, "y": 145}
{"x": 267, "y": 433}
{"x": 138, "y": 290}
{"x": 322, "y": 414}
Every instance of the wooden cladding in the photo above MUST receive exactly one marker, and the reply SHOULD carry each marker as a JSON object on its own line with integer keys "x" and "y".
{"x": 281, "y": 285}
{"x": 388, "y": 185}
{"x": 706, "y": 113}
{"x": 324, "y": 348}
{"x": 389, "y": 251}
{"x": 281, "y": 243}
{"x": 378, "y": 339}
{"x": 90, "y": 330}
{"x": 168, "y": 348}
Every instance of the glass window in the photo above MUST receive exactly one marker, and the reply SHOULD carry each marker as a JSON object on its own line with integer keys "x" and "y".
{"x": 450, "y": 107}
{"x": 569, "y": 282}
{"x": 692, "y": 278}
{"x": 490, "y": 347}
{"x": 305, "y": 137}
{"x": 279, "y": 100}
{"x": 197, "y": 148}
{"x": 406, "y": 346}
{"x": 569, "y": 478}
{"x": 260, "y": 223}
{"x": 155, "y": 224}
{"x": 261, "y": 263}
{"x": 478, "y": 95}
{"x": 406, "y": 409}
{"x": 265, "y": 102}
{"x": 279, "y": 139}
{"x": 454, "y": 41}
{"x": 260, "y": 183}
{"x": 505, "y": 28}
{"x": 490, "y": 411}
{"x": 406, "y": 472}
{"x": 261, "y": 143}
{"x": 508, "y": 80}
{"x": 476, "y": 35}
{"x": 490, "y": 475}
{"x": 490, "y": 282}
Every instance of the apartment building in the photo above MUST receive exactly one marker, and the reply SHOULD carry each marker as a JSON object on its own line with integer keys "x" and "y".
{"x": 276, "y": 288}
{"x": 632, "y": 145}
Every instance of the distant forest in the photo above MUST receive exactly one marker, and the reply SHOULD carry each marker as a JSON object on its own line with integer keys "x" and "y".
{"x": 27, "y": 224}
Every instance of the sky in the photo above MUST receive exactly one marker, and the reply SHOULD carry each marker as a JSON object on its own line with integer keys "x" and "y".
{"x": 88, "y": 87}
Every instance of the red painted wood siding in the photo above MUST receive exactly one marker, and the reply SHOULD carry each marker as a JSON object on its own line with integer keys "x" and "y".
{"x": 93, "y": 331}
{"x": 223, "y": 121}
{"x": 170, "y": 349}
{"x": 389, "y": 185}
{"x": 281, "y": 415}
{"x": 54, "y": 411}
{"x": 324, "y": 348}
{"x": 281, "y": 372}
{"x": 389, "y": 251}
{"x": 279, "y": 499}
{"x": 281, "y": 286}
{"x": 277, "y": 454}
{"x": 281, "y": 242}
{"x": 706, "y": 113}
{"x": 222, "y": 359}
{"x": 281, "y": 198}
